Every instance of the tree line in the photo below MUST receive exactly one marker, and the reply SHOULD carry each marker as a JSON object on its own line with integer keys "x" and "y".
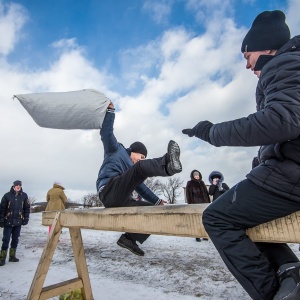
{"x": 169, "y": 190}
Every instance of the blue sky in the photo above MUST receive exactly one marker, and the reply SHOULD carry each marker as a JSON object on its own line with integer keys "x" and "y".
{"x": 165, "y": 64}
{"x": 105, "y": 29}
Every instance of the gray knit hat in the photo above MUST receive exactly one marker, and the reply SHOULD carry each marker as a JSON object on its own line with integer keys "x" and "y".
{"x": 268, "y": 32}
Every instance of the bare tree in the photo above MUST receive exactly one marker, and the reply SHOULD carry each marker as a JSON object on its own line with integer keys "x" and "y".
{"x": 31, "y": 200}
{"x": 171, "y": 189}
{"x": 92, "y": 200}
{"x": 153, "y": 184}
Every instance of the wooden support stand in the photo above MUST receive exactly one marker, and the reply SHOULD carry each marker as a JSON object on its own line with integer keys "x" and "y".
{"x": 175, "y": 220}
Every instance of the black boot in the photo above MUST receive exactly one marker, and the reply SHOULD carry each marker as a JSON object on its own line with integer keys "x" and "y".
{"x": 12, "y": 255}
{"x": 289, "y": 280}
{"x": 173, "y": 163}
{"x": 126, "y": 242}
{"x": 167, "y": 165}
{"x": 3, "y": 254}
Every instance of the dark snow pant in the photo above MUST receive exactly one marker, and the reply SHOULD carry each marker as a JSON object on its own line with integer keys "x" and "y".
{"x": 254, "y": 265}
{"x": 14, "y": 233}
{"x": 118, "y": 190}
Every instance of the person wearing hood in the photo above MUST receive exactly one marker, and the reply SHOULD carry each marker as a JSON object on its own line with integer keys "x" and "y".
{"x": 217, "y": 186}
{"x": 56, "y": 199}
{"x": 14, "y": 212}
{"x": 125, "y": 169}
{"x": 271, "y": 189}
{"x": 196, "y": 191}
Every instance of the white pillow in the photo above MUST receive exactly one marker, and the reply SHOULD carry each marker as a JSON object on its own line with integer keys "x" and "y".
{"x": 83, "y": 109}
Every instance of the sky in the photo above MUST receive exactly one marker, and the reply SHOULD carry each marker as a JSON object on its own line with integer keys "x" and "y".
{"x": 166, "y": 65}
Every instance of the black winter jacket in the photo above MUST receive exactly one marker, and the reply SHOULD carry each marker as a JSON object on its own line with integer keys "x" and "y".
{"x": 216, "y": 190}
{"x": 14, "y": 209}
{"x": 275, "y": 126}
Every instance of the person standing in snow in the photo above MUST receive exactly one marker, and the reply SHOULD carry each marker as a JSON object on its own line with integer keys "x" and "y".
{"x": 124, "y": 171}
{"x": 56, "y": 199}
{"x": 271, "y": 190}
{"x": 217, "y": 186}
{"x": 14, "y": 212}
{"x": 196, "y": 191}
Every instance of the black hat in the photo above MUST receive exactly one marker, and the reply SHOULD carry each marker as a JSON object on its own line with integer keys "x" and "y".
{"x": 139, "y": 147}
{"x": 17, "y": 182}
{"x": 268, "y": 32}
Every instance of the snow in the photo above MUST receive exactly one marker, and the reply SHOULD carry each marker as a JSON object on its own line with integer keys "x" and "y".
{"x": 173, "y": 268}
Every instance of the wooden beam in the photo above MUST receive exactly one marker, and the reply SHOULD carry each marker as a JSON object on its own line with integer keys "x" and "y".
{"x": 61, "y": 288}
{"x": 45, "y": 260}
{"x": 175, "y": 220}
{"x": 80, "y": 262}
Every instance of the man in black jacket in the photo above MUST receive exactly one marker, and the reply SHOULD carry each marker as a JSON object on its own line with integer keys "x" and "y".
{"x": 14, "y": 212}
{"x": 272, "y": 188}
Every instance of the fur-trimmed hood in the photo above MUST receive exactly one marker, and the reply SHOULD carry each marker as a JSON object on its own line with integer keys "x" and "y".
{"x": 215, "y": 173}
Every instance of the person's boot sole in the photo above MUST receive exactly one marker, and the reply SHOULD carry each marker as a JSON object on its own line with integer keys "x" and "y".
{"x": 131, "y": 250}
{"x": 174, "y": 155}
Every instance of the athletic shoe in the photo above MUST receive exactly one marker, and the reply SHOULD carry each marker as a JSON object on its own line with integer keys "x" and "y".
{"x": 130, "y": 245}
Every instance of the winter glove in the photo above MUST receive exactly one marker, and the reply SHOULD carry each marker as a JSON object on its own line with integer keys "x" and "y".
{"x": 1, "y": 224}
{"x": 201, "y": 131}
{"x": 24, "y": 222}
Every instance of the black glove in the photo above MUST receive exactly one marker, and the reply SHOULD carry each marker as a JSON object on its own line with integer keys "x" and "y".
{"x": 201, "y": 131}
{"x": 24, "y": 222}
{"x": 2, "y": 224}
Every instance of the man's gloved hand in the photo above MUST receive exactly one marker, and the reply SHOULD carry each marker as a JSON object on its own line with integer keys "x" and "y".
{"x": 2, "y": 224}
{"x": 24, "y": 222}
{"x": 201, "y": 130}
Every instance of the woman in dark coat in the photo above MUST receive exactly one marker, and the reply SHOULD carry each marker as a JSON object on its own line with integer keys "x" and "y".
{"x": 217, "y": 187}
{"x": 196, "y": 191}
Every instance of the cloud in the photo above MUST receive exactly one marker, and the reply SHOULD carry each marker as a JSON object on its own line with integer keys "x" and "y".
{"x": 292, "y": 17}
{"x": 12, "y": 18}
{"x": 170, "y": 83}
{"x": 159, "y": 10}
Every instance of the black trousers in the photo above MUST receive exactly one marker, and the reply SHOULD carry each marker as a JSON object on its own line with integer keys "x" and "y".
{"x": 118, "y": 190}
{"x": 254, "y": 265}
{"x": 14, "y": 233}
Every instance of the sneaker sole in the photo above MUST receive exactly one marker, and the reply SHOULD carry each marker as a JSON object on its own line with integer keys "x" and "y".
{"x": 124, "y": 246}
{"x": 174, "y": 154}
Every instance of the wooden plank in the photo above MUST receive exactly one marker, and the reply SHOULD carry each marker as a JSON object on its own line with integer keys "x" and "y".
{"x": 80, "y": 261}
{"x": 45, "y": 260}
{"x": 175, "y": 220}
{"x": 61, "y": 288}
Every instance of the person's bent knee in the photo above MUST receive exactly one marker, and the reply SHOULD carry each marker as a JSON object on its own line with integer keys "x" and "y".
{"x": 208, "y": 219}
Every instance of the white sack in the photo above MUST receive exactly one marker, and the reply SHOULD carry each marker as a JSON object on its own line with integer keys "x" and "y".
{"x": 83, "y": 109}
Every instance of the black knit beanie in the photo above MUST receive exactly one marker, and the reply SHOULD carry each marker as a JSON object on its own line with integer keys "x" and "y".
{"x": 268, "y": 32}
{"x": 139, "y": 147}
{"x": 17, "y": 182}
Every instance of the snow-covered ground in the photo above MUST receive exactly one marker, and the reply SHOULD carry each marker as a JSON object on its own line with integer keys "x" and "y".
{"x": 176, "y": 268}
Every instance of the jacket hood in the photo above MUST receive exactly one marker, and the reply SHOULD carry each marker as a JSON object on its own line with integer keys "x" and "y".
{"x": 55, "y": 185}
{"x": 192, "y": 177}
{"x": 292, "y": 45}
{"x": 214, "y": 173}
